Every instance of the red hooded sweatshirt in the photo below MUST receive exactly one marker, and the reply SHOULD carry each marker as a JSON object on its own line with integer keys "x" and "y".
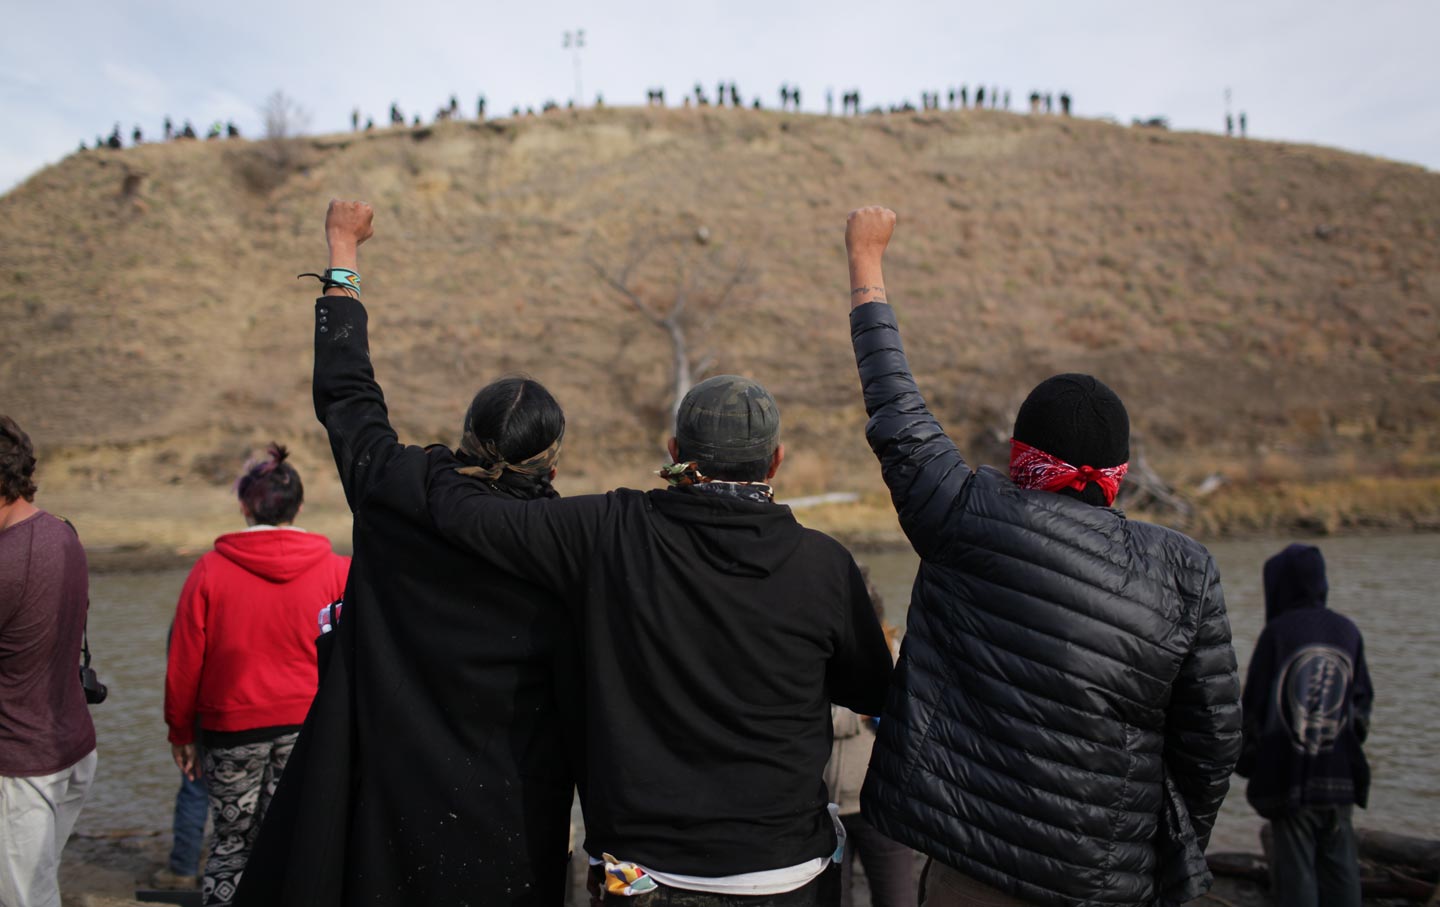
{"x": 242, "y": 653}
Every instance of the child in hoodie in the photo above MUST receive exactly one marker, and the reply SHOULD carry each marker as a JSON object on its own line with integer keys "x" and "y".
{"x": 1307, "y": 710}
{"x": 242, "y": 659}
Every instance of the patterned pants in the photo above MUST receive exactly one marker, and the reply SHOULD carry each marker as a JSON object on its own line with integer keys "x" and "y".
{"x": 241, "y": 780}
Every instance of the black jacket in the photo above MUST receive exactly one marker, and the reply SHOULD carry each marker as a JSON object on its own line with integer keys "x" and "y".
{"x": 432, "y": 768}
{"x": 717, "y": 631}
{"x": 1307, "y": 695}
{"x": 1065, "y": 714}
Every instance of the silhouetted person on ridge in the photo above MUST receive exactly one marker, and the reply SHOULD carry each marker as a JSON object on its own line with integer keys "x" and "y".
{"x": 454, "y": 106}
{"x": 396, "y": 117}
{"x": 1065, "y": 103}
{"x": 416, "y": 122}
{"x": 1034, "y": 102}
{"x": 1049, "y": 103}
{"x": 795, "y": 95}
{"x": 1229, "y": 124}
{"x": 137, "y": 137}
{"x": 720, "y": 94}
{"x": 735, "y": 95}
{"x": 169, "y": 129}
{"x": 1242, "y": 124}
{"x": 784, "y": 96}
{"x": 1007, "y": 99}
{"x": 231, "y": 130}
{"x": 369, "y": 123}
{"x": 964, "y": 96}
{"x": 114, "y": 140}
{"x": 355, "y": 120}
{"x": 480, "y": 108}
{"x": 980, "y": 96}
{"x": 82, "y": 146}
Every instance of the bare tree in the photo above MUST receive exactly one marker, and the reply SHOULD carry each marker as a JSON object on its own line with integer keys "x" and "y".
{"x": 267, "y": 164}
{"x": 678, "y": 282}
{"x": 284, "y": 117}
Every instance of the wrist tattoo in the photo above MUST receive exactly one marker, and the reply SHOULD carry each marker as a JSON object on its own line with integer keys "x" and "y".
{"x": 858, "y": 290}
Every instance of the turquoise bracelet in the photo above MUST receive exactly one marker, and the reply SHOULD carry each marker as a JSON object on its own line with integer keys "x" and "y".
{"x": 343, "y": 277}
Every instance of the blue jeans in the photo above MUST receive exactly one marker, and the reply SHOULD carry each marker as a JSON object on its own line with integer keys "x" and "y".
{"x": 192, "y": 805}
{"x": 1315, "y": 859}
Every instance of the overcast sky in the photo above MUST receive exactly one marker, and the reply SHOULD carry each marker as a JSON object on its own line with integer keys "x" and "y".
{"x": 1361, "y": 76}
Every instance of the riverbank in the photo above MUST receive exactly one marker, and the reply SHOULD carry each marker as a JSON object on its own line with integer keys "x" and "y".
{"x": 105, "y": 872}
{"x": 137, "y": 532}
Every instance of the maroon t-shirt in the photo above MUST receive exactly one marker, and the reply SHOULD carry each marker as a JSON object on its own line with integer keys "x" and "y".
{"x": 44, "y": 591}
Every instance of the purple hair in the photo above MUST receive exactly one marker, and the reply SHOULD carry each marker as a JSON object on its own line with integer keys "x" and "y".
{"x": 270, "y": 489}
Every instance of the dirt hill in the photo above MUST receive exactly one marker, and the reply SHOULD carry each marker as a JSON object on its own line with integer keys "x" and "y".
{"x": 1269, "y": 312}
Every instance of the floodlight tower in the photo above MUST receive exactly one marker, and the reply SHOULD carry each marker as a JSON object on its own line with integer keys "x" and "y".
{"x": 575, "y": 42}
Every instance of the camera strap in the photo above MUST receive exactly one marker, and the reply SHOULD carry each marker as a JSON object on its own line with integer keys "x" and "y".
{"x": 85, "y": 633}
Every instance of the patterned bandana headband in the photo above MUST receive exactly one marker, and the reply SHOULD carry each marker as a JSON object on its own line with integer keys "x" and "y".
{"x": 1035, "y": 469}
{"x": 485, "y": 452}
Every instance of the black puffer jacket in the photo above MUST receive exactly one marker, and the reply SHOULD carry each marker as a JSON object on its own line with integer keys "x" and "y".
{"x": 1065, "y": 715}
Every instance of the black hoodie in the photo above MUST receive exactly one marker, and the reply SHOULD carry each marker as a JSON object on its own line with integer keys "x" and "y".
{"x": 716, "y": 633}
{"x": 1307, "y": 695}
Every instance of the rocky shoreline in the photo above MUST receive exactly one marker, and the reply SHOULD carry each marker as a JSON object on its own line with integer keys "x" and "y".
{"x": 107, "y": 870}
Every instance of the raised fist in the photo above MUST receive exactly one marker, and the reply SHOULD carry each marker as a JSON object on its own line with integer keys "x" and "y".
{"x": 867, "y": 231}
{"x": 348, "y": 222}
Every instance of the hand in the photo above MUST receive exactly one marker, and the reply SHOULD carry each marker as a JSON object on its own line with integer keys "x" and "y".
{"x": 867, "y": 232}
{"x": 348, "y": 223}
{"x": 186, "y": 760}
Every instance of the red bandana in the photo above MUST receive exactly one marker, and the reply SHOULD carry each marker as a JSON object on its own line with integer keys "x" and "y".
{"x": 1033, "y": 468}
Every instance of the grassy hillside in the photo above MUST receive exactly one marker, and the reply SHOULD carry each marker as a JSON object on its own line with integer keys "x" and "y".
{"x": 1269, "y": 312}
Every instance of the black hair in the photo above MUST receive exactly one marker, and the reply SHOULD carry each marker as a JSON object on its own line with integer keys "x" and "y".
{"x": 1080, "y": 420}
{"x": 17, "y": 462}
{"x": 271, "y": 489}
{"x": 518, "y": 418}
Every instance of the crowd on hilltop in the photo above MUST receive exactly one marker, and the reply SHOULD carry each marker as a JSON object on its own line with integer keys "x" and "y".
{"x": 216, "y": 130}
{"x": 727, "y": 94}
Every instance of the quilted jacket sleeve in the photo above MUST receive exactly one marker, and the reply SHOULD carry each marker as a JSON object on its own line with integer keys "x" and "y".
{"x": 1202, "y": 726}
{"x": 923, "y": 469}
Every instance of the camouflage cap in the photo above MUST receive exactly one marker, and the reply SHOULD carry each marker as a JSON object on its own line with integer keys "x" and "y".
{"x": 727, "y": 419}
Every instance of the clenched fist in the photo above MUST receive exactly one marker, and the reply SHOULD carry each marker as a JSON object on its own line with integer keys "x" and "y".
{"x": 348, "y": 223}
{"x": 867, "y": 232}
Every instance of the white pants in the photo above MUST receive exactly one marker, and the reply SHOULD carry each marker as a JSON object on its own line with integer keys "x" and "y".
{"x": 37, "y": 815}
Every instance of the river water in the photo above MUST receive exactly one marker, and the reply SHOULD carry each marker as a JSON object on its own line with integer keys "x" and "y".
{"x": 1387, "y": 584}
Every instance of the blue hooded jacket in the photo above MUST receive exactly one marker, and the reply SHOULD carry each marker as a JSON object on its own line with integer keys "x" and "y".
{"x": 1307, "y": 695}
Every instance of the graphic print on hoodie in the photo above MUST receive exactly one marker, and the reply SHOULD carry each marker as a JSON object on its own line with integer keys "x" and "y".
{"x": 1307, "y": 695}
{"x": 242, "y": 655}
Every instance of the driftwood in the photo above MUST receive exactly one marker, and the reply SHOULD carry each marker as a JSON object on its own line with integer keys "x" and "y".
{"x": 1391, "y": 865}
{"x": 1399, "y": 850}
{"x": 1143, "y": 489}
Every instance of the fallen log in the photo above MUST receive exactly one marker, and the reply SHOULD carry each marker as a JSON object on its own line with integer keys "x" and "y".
{"x": 1398, "y": 850}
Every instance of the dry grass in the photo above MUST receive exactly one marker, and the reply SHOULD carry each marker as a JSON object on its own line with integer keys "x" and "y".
{"x": 1258, "y": 305}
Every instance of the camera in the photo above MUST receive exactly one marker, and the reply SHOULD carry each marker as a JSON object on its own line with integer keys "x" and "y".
{"x": 95, "y": 691}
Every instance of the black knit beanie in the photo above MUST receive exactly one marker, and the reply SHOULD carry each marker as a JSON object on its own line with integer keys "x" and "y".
{"x": 1080, "y": 420}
